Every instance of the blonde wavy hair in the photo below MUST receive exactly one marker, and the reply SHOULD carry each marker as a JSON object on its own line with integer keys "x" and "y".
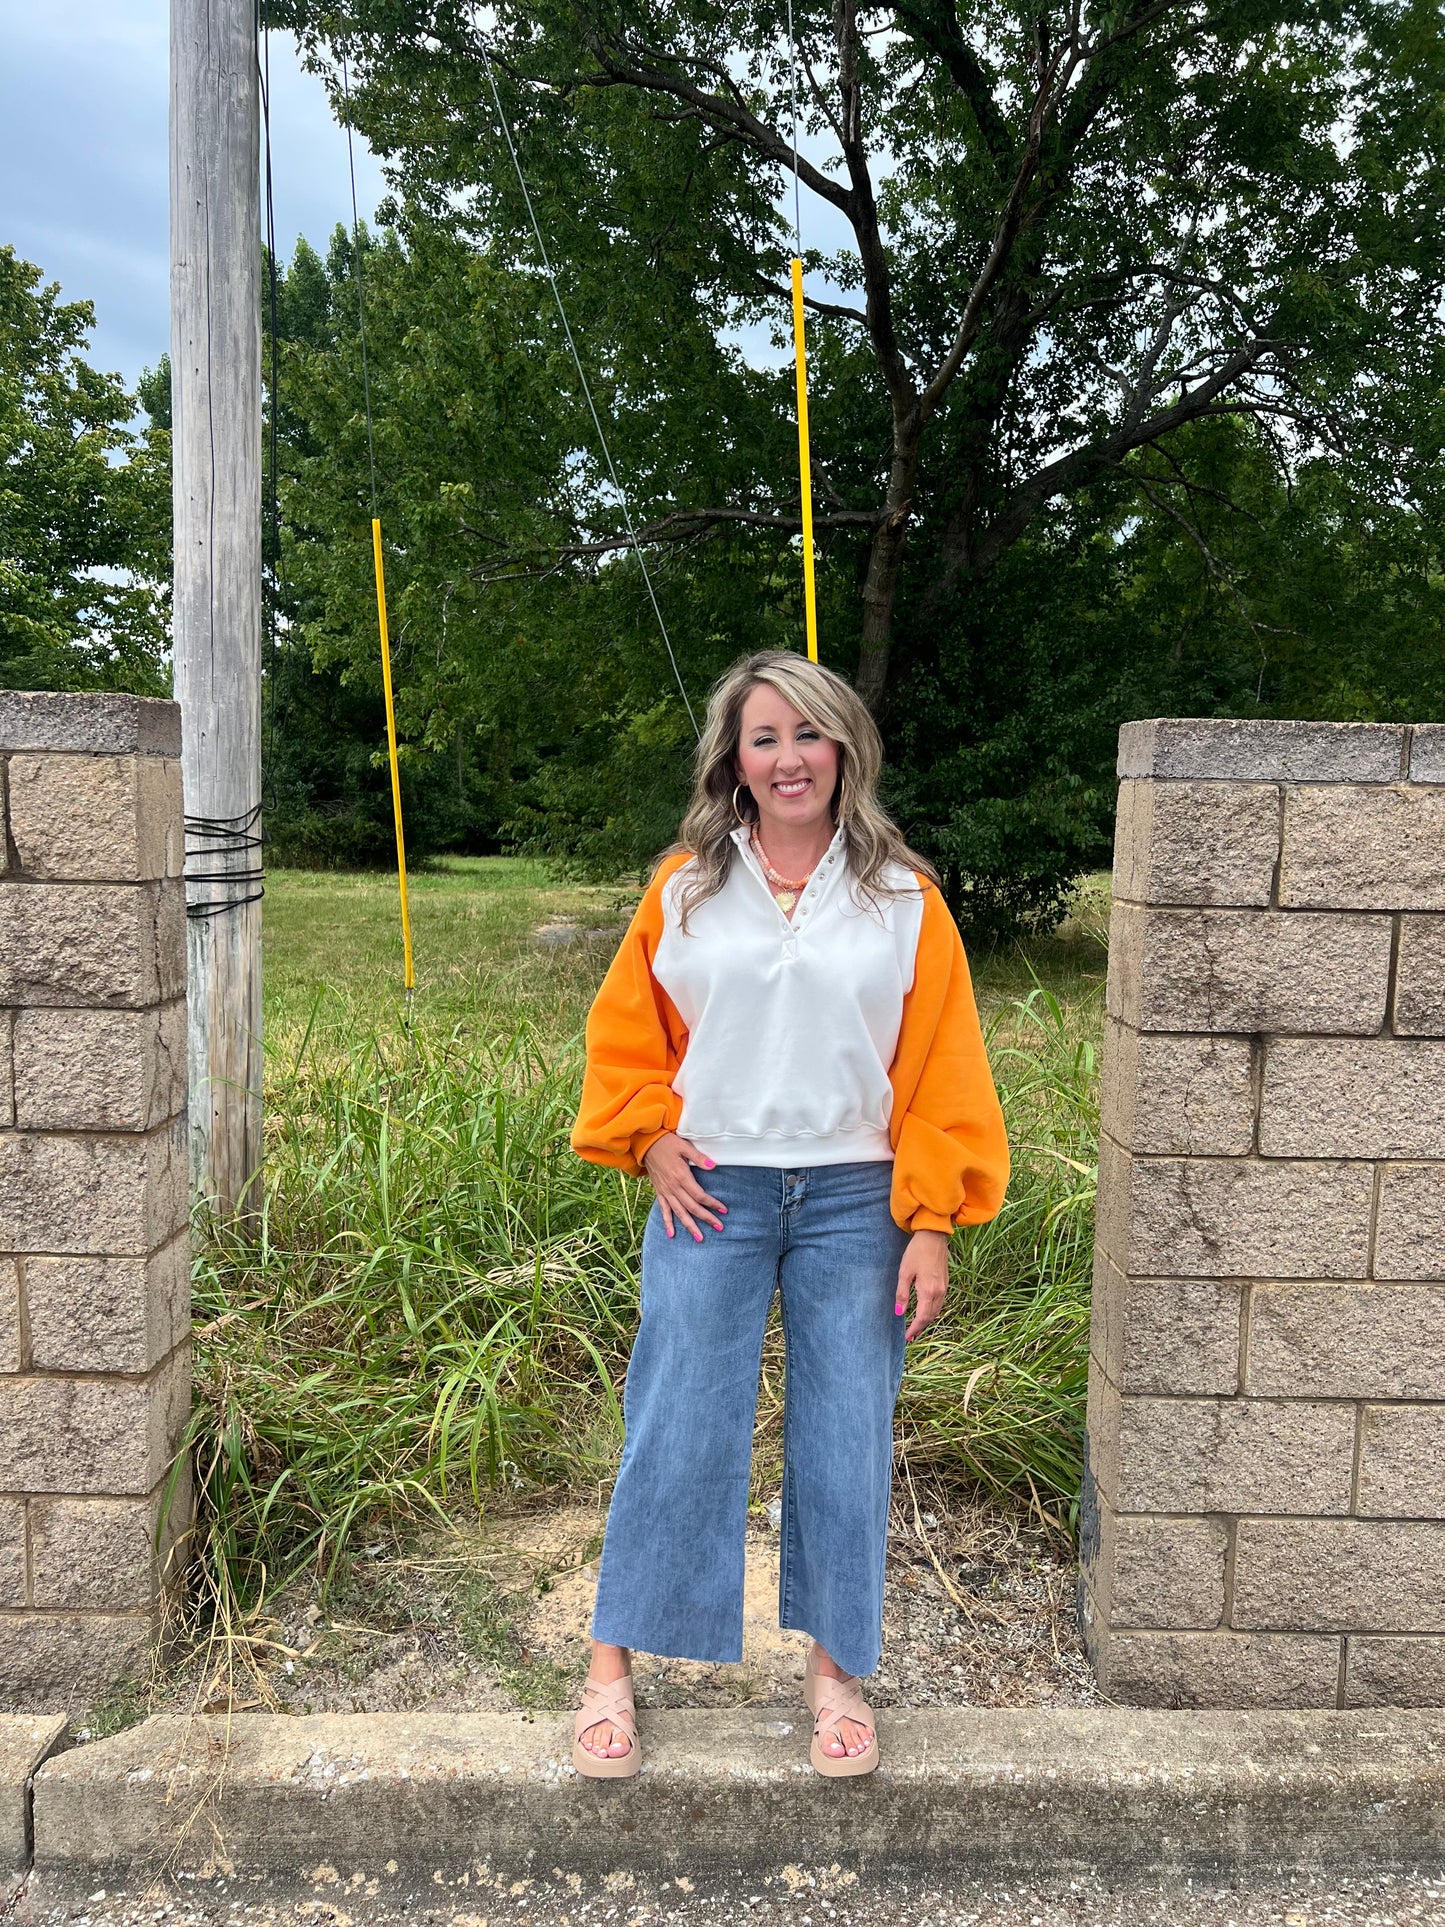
{"x": 832, "y": 706}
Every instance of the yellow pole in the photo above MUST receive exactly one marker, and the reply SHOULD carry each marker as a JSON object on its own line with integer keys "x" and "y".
{"x": 810, "y": 598}
{"x": 410, "y": 977}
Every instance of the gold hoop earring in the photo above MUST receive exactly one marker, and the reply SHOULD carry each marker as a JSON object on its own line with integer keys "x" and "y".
{"x": 736, "y": 811}
{"x": 841, "y": 799}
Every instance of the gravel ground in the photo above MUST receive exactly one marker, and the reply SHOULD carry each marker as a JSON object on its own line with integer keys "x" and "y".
{"x": 818, "y": 1898}
{"x": 979, "y": 1611}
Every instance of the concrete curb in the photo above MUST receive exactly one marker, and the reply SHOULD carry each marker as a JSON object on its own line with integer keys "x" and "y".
{"x": 395, "y": 1802}
{"x": 25, "y": 1740}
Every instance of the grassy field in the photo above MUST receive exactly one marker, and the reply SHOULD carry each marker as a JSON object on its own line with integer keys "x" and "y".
{"x": 333, "y": 945}
{"x": 438, "y": 1304}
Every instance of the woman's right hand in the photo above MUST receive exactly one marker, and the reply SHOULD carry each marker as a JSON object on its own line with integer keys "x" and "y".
{"x": 668, "y": 1164}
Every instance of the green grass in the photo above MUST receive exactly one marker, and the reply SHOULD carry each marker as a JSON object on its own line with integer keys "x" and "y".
{"x": 333, "y": 947}
{"x": 996, "y": 1388}
{"x": 337, "y": 937}
{"x": 440, "y": 1302}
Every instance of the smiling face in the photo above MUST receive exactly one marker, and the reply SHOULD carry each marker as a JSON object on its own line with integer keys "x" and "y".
{"x": 790, "y": 766}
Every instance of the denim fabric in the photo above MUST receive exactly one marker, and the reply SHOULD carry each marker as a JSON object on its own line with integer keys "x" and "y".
{"x": 671, "y": 1576}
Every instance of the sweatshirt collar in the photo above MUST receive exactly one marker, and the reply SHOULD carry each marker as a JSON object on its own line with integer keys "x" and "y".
{"x": 827, "y": 863}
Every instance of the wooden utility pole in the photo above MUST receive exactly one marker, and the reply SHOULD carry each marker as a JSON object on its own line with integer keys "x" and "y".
{"x": 216, "y": 440}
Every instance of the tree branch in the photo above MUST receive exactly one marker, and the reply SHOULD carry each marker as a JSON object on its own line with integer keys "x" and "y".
{"x": 836, "y": 309}
{"x": 723, "y": 112}
{"x": 1005, "y": 234}
{"x": 1069, "y": 471}
{"x": 944, "y": 38}
{"x": 680, "y": 527}
{"x": 862, "y": 211}
{"x": 1180, "y": 480}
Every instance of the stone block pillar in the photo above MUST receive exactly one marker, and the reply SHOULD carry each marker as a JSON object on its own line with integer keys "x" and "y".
{"x": 94, "y": 1262}
{"x": 1264, "y": 1515}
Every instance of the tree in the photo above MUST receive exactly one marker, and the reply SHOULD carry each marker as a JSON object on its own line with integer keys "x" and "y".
{"x": 1147, "y": 345}
{"x": 528, "y": 706}
{"x": 540, "y": 709}
{"x": 1074, "y": 230}
{"x": 1305, "y": 599}
{"x": 84, "y": 506}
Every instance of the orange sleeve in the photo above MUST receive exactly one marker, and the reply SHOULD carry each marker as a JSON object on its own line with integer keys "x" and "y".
{"x": 950, "y": 1150}
{"x": 635, "y": 1042}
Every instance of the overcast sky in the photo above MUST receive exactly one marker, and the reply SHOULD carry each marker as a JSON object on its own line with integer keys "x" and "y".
{"x": 84, "y": 170}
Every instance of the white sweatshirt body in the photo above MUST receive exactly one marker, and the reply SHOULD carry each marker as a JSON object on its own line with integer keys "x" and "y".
{"x": 792, "y": 1026}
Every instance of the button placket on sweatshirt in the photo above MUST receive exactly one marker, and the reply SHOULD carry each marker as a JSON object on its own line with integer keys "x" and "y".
{"x": 812, "y": 891}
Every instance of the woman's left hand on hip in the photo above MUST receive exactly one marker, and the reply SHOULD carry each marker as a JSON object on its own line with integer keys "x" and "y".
{"x": 924, "y": 1271}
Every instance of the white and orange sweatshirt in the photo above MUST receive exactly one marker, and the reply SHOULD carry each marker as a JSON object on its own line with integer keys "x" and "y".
{"x": 848, "y": 1034}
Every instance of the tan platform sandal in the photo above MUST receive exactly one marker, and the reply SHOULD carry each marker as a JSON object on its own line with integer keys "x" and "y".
{"x": 612, "y": 1701}
{"x": 831, "y": 1701}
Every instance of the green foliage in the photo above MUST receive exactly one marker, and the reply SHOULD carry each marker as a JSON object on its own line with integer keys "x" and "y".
{"x": 1187, "y": 453}
{"x": 526, "y": 707}
{"x": 84, "y": 506}
{"x": 153, "y": 392}
{"x": 1003, "y": 747}
{"x": 1299, "y": 600}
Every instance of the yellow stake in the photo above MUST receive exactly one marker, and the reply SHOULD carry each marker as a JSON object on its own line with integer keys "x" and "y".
{"x": 410, "y": 978}
{"x": 810, "y": 599}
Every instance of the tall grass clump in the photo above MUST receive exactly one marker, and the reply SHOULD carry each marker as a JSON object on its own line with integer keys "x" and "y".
{"x": 439, "y": 1298}
{"x": 438, "y": 1301}
{"x": 995, "y": 1389}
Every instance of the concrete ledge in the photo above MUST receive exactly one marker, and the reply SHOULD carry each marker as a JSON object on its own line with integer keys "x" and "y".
{"x": 96, "y": 723}
{"x": 410, "y": 1801}
{"x": 1262, "y": 750}
{"x": 24, "y": 1742}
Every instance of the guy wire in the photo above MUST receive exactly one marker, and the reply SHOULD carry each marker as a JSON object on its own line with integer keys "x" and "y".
{"x": 797, "y": 191}
{"x": 582, "y": 375}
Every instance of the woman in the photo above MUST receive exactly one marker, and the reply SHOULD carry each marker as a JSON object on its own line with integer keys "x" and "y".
{"x": 789, "y": 1013}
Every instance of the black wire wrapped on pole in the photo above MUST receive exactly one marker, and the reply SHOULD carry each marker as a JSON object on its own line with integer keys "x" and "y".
{"x": 220, "y": 838}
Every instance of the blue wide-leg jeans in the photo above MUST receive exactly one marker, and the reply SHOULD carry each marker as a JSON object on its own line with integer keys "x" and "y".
{"x": 671, "y": 1575}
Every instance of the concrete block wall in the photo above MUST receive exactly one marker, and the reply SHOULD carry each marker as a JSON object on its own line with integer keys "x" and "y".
{"x": 94, "y": 1257}
{"x": 1264, "y": 1516}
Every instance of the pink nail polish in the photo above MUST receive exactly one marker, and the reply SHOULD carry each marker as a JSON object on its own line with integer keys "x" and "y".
{"x": 898, "y": 1310}
{"x": 697, "y": 1235}
{"x": 712, "y": 1164}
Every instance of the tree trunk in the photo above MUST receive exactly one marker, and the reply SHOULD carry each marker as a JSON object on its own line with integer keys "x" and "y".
{"x": 885, "y": 563}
